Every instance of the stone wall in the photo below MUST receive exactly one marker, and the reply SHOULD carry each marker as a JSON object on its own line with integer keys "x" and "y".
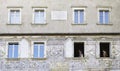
{"x": 55, "y": 59}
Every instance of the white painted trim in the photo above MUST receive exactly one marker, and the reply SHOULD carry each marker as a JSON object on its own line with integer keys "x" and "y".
{"x": 73, "y": 9}
{"x": 32, "y": 49}
{"x": 9, "y": 15}
{"x": 6, "y": 56}
{"x": 109, "y": 9}
{"x": 34, "y": 16}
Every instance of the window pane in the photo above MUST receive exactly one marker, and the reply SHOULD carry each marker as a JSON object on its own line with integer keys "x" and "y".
{"x": 42, "y": 17}
{"x": 101, "y": 17}
{"x": 15, "y": 16}
{"x": 106, "y": 17}
{"x": 35, "y": 51}
{"x": 16, "y": 51}
{"x": 39, "y": 16}
{"x": 81, "y": 16}
{"x": 10, "y": 47}
{"x": 41, "y": 50}
{"x": 76, "y": 16}
{"x": 12, "y": 17}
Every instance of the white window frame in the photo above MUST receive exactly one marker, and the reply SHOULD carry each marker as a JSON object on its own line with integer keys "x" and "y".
{"x": 107, "y": 9}
{"x": 45, "y": 46}
{"x": 74, "y": 15}
{"x": 9, "y": 10}
{"x": 7, "y": 43}
{"x": 44, "y": 15}
{"x": 84, "y": 48}
{"x": 97, "y": 50}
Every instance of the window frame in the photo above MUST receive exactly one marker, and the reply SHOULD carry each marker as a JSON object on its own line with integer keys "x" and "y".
{"x": 84, "y": 20}
{"x": 97, "y": 50}
{"x": 9, "y": 11}
{"x": 7, "y": 44}
{"x": 104, "y": 9}
{"x": 32, "y": 50}
{"x": 33, "y": 16}
{"x": 84, "y": 48}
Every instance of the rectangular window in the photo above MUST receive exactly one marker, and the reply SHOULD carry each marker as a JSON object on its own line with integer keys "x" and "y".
{"x": 12, "y": 50}
{"x": 104, "y": 49}
{"x": 103, "y": 16}
{"x": 39, "y": 48}
{"x": 14, "y": 16}
{"x": 39, "y": 16}
{"x": 78, "y": 49}
{"x": 78, "y": 16}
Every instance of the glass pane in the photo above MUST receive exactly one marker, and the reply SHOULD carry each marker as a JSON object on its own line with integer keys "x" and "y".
{"x": 81, "y": 16}
{"x": 39, "y": 17}
{"x": 17, "y": 17}
{"x": 10, "y": 47}
{"x": 101, "y": 17}
{"x": 106, "y": 17}
{"x": 14, "y": 16}
{"x": 16, "y": 51}
{"x": 35, "y": 51}
{"x": 76, "y": 16}
{"x": 41, "y": 50}
{"x": 42, "y": 17}
{"x": 36, "y": 17}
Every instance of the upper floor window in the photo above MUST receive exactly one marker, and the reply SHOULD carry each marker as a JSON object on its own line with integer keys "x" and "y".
{"x": 104, "y": 15}
{"x": 13, "y": 50}
{"x": 14, "y": 16}
{"x": 39, "y": 50}
{"x": 78, "y": 15}
{"x": 39, "y": 16}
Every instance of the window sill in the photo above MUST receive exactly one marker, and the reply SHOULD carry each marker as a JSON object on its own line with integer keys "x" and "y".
{"x": 14, "y": 23}
{"x": 105, "y": 58}
{"x": 39, "y": 23}
{"x": 76, "y": 58}
{"x": 79, "y": 23}
{"x": 104, "y": 24}
{"x": 13, "y": 59}
{"x": 38, "y": 58}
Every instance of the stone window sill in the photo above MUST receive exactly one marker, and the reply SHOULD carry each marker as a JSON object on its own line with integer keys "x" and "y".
{"x": 105, "y": 58}
{"x": 39, "y": 23}
{"x": 76, "y": 58}
{"x": 79, "y": 23}
{"x": 38, "y": 58}
{"x": 14, "y": 23}
{"x": 13, "y": 59}
{"x": 104, "y": 24}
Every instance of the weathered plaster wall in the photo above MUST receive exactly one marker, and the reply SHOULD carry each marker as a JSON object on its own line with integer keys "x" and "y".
{"x": 56, "y": 58}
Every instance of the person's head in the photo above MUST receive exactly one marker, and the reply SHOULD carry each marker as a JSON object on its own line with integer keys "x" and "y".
{"x": 104, "y": 51}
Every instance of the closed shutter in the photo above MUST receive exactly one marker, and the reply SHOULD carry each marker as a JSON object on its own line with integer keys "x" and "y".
{"x": 69, "y": 48}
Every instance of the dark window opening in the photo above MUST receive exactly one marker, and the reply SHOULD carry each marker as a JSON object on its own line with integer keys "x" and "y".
{"x": 79, "y": 49}
{"x": 104, "y": 49}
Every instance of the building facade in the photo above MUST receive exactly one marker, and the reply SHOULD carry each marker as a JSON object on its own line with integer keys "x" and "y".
{"x": 65, "y": 35}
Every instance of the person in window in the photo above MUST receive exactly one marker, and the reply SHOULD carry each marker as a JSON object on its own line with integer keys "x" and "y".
{"x": 104, "y": 53}
{"x": 80, "y": 53}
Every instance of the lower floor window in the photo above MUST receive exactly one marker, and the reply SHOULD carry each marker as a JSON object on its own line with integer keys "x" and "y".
{"x": 39, "y": 50}
{"x": 12, "y": 50}
{"x": 104, "y": 49}
{"x": 78, "y": 49}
